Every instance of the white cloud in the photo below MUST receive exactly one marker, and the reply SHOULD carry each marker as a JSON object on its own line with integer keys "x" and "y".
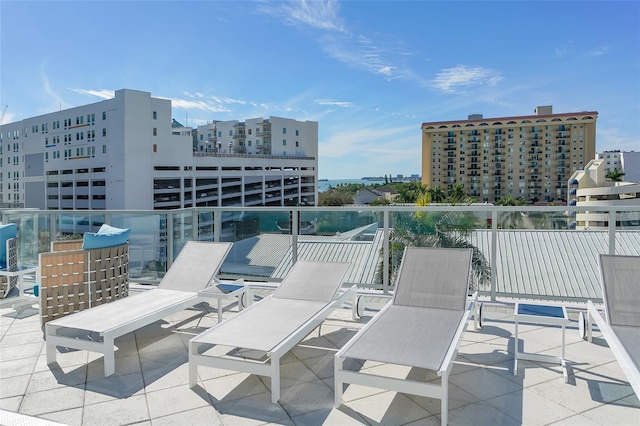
{"x": 103, "y": 93}
{"x": 453, "y": 80}
{"x": 598, "y": 51}
{"x": 610, "y": 139}
{"x": 59, "y": 102}
{"x": 195, "y": 104}
{"x": 322, "y": 15}
{"x": 334, "y": 103}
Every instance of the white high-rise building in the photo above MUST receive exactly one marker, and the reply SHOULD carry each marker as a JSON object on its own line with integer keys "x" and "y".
{"x": 625, "y": 161}
{"x": 123, "y": 153}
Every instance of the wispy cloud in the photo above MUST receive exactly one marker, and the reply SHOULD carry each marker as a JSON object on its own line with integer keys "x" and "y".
{"x": 334, "y": 103}
{"x": 322, "y": 15}
{"x": 102, "y": 93}
{"x": 454, "y": 80}
{"x": 196, "y": 104}
{"x": 382, "y": 54}
{"x": 59, "y": 102}
{"x": 598, "y": 51}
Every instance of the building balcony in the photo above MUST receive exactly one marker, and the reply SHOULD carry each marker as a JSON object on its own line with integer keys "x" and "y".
{"x": 239, "y": 136}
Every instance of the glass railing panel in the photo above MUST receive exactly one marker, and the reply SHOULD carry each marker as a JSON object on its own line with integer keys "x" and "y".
{"x": 147, "y": 244}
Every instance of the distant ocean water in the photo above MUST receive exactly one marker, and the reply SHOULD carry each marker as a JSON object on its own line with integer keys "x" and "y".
{"x": 325, "y": 184}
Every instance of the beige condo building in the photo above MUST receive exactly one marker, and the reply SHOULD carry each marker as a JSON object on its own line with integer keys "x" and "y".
{"x": 529, "y": 157}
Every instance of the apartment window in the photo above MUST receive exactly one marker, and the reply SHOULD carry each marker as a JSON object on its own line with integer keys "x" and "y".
{"x": 284, "y": 130}
{"x": 155, "y": 131}
{"x": 104, "y": 132}
{"x": 249, "y": 131}
{"x": 155, "y": 115}
{"x": 297, "y": 144}
{"x": 155, "y": 147}
{"x": 104, "y": 149}
{"x": 104, "y": 115}
{"x": 297, "y": 133}
{"x": 284, "y": 142}
{"x": 230, "y": 132}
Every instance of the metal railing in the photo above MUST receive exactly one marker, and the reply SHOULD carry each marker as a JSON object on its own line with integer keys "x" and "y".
{"x": 530, "y": 252}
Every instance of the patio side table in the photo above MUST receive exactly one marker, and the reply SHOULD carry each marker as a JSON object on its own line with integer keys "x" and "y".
{"x": 221, "y": 291}
{"x": 546, "y": 315}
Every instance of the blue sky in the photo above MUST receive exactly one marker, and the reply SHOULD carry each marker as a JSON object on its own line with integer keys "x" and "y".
{"x": 370, "y": 72}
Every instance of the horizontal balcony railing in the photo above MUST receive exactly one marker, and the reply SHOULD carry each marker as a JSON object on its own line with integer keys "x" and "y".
{"x": 528, "y": 252}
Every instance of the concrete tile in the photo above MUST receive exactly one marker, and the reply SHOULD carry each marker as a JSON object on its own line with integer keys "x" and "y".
{"x": 117, "y": 412}
{"x": 622, "y": 413}
{"x": 14, "y": 386}
{"x": 480, "y": 414}
{"x": 72, "y": 417}
{"x": 52, "y": 400}
{"x": 234, "y": 386}
{"x": 483, "y": 383}
{"x": 255, "y": 409}
{"x": 23, "y": 338}
{"x": 199, "y": 416}
{"x": 577, "y": 420}
{"x": 343, "y": 416}
{"x": 113, "y": 387}
{"x": 165, "y": 402}
{"x": 17, "y": 367}
{"x": 11, "y": 403}
{"x": 486, "y": 353}
{"x": 56, "y": 378}
{"x": 307, "y": 397}
{"x": 388, "y": 408}
{"x": 529, "y": 408}
{"x": 9, "y": 352}
{"x": 457, "y": 398}
{"x": 124, "y": 367}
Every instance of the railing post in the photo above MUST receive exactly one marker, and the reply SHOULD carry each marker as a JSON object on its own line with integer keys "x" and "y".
{"x": 195, "y": 225}
{"x": 217, "y": 225}
{"x": 612, "y": 232}
{"x": 295, "y": 215}
{"x": 385, "y": 252}
{"x": 169, "y": 240}
{"x": 494, "y": 251}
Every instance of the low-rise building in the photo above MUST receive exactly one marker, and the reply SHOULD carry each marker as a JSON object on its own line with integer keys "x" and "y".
{"x": 590, "y": 187}
{"x": 128, "y": 153}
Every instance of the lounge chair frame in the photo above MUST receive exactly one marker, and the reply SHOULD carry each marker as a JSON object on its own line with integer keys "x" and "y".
{"x": 622, "y": 356}
{"x": 132, "y": 313}
{"x": 414, "y": 387}
{"x": 269, "y": 369}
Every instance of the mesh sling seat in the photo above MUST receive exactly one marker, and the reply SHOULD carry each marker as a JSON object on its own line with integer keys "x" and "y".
{"x": 421, "y": 327}
{"x": 620, "y": 279}
{"x": 192, "y": 271}
{"x": 274, "y": 325}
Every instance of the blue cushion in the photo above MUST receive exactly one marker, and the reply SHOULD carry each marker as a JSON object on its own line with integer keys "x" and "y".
{"x": 10, "y": 230}
{"x": 107, "y": 236}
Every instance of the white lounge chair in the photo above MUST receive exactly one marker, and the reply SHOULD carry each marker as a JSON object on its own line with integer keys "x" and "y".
{"x": 421, "y": 327}
{"x": 192, "y": 271}
{"x": 621, "y": 328}
{"x": 306, "y": 296}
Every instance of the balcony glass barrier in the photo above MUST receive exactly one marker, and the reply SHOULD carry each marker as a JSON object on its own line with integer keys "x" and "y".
{"x": 521, "y": 251}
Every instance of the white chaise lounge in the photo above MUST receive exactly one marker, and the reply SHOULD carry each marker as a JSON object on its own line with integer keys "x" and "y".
{"x": 192, "y": 271}
{"x": 620, "y": 279}
{"x": 306, "y": 296}
{"x": 421, "y": 327}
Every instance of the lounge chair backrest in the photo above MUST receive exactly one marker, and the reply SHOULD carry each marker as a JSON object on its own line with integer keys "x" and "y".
{"x": 314, "y": 281}
{"x": 621, "y": 289}
{"x": 192, "y": 270}
{"x": 434, "y": 278}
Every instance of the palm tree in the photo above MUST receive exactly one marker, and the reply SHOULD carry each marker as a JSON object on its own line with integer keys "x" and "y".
{"x": 511, "y": 219}
{"x": 614, "y": 176}
{"x": 449, "y": 229}
{"x": 437, "y": 195}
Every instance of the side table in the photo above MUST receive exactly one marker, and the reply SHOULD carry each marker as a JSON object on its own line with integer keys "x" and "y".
{"x": 221, "y": 291}
{"x": 540, "y": 314}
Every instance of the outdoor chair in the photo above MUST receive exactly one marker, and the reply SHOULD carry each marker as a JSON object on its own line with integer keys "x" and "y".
{"x": 420, "y": 328}
{"x": 274, "y": 325}
{"x": 192, "y": 271}
{"x": 621, "y": 325}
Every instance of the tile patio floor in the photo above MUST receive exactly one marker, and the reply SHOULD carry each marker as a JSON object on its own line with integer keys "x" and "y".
{"x": 150, "y": 386}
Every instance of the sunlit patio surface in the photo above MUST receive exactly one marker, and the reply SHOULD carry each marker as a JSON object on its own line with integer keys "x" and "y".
{"x": 150, "y": 385}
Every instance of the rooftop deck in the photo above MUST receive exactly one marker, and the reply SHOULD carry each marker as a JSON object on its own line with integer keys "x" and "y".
{"x": 150, "y": 385}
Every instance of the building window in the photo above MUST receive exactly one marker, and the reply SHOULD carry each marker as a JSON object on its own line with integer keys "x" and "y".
{"x": 104, "y": 132}
{"x": 104, "y": 149}
{"x": 155, "y": 131}
{"x": 284, "y": 142}
{"x": 104, "y": 115}
{"x": 297, "y": 133}
{"x": 155, "y": 115}
{"x": 155, "y": 147}
{"x": 297, "y": 144}
{"x": 284, "y": 130}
